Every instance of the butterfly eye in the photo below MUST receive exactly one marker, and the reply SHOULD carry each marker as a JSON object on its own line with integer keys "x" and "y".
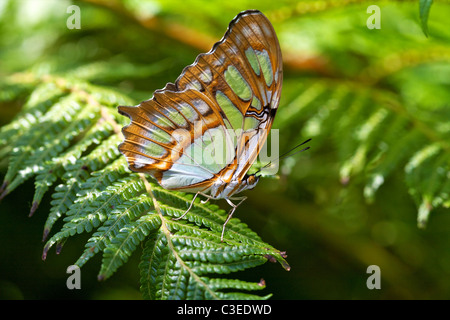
{"x": 252, "y": 180}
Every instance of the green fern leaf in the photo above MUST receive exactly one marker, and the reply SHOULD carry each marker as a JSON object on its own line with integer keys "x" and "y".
{"x": 118, "y": 218}
{"x": 374, "y": 116}
{"x": 126, "y": 242}
{"x": 78, "y": 173}
{"x": 179, "y": 255}
{"x": 424, "y": 10}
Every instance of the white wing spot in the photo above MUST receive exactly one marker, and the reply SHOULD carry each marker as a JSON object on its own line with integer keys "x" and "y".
{"x": 201, "y": 106}
{"x": 206, "y": 75}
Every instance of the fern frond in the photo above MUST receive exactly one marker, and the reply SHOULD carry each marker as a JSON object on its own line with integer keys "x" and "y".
{"x": 37, "y": 104}
{"x": 125, "y": 242}
{"x": 121, "y": 216}
{"x": 92, "y": 205}
{"x": 179, "y": 255}
{"x": 77, "y": 173}
{"x": 372, "y": 115}
{"x": 173, "y": 262}
{"x": 428, "y": 179}
{"x": 378, "y": 136}
{"x": 54, "y": 169}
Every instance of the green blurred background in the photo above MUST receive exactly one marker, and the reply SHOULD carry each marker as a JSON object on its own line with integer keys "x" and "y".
{"x": 331, "y": 230}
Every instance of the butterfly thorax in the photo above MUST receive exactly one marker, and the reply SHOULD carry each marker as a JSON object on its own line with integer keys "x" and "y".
{"x": 223, "y": 190}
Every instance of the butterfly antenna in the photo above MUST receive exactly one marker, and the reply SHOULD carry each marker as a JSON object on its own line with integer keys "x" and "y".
{"x": 287, "y": 154}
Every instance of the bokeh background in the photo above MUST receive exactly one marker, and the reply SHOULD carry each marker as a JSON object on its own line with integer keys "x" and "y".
{"x": 322, "y": 208}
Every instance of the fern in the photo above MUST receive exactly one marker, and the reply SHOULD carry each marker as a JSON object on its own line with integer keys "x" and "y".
{"x": 68, "y": 131}
{"x": 368, "y": 114}
{"x": 377, "y": 136}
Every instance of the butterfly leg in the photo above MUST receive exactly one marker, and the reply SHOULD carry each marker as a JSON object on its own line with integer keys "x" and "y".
{"x": 231, "y": 212}
{"x": 206, "y": 196}
{"x": 192, "y": 203}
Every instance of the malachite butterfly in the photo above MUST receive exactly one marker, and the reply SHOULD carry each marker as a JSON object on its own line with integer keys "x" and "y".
{"x": 202, "y": 133}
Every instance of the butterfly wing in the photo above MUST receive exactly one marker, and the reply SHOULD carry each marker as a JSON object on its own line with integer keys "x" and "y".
{"x": 232, "y": 90}
{"x": 243, "y": 73}
{"x": 166, "y": 137}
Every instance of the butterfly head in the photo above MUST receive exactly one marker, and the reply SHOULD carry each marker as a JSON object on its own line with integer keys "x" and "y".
{"x": 251, "y": 180}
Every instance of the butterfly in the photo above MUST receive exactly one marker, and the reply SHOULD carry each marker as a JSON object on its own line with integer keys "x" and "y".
{"x": 202, "y": 133}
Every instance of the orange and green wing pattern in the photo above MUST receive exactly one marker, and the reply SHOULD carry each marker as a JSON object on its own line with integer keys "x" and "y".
{"x": 216, "y": 116}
